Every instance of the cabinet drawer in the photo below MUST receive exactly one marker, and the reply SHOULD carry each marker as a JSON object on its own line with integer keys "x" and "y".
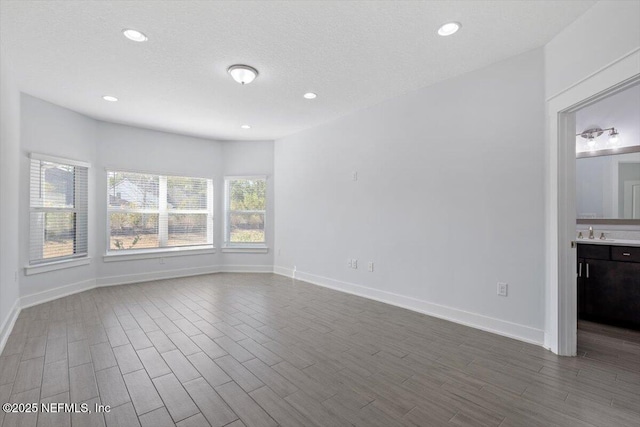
{"x": 593, "y": 251}
{"x": 625, "y": 253}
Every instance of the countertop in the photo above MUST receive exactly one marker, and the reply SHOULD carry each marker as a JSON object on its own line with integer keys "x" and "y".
{"x": 609, "y": 242}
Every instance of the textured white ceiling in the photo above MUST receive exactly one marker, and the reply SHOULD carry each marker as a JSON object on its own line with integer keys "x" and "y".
{"x": 352, "y": 53}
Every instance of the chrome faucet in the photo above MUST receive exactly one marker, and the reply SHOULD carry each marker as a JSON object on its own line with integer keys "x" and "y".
{"x": 591, "y": 233}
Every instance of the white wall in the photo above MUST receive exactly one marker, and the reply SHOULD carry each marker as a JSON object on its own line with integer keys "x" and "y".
{"x": 603, "y": 34}
{"x": 597, "y": 51}
{"x": 49, "y": 129}
{"x": 448, "y": 201}
{"x": 9, "y": 172}
{"x": 129, "y": 148}
{"x": 252, "y": 158}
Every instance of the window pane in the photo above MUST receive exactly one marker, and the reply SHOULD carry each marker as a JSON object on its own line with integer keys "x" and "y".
{"x": 56, "y": 187}
{"x": 187, "y": 229}
{"x": 247, "y": 194}
{"x": 133, "y": 190}
{"x": 52, "y": 235}
{"x": 246, "y": 228}
{"x": 133, "y": 231}
{"x": 186, "y": 193}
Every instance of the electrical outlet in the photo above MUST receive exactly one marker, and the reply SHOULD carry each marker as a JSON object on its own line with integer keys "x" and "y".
{"x": 354, "y": 175}
{"x": 354, "y": 263}
{"x": 350, "y": 263}
{"x": 502, "y": 289}
{"x": 370, "y": 266}
{"x": 161, "y": 260}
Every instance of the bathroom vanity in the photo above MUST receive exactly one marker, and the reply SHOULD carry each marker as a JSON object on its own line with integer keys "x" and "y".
{"x": 609, "y": 282}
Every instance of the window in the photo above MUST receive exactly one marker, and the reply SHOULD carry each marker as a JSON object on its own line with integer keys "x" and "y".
{"x": 245, "y": 210}
{"x": 147, "y": 211}
{"x": 57, "y": 209}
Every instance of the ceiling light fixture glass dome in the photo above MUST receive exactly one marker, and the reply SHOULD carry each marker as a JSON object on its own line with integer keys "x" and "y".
{"x": 243, "y": 74}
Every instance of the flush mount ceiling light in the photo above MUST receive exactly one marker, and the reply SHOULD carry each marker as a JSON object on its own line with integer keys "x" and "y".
{"x": 245, "y": 127}
{"x": 310, "y": 95}
{"x": 134, "y": 35}
{"x": 591, "y": 134}
{"x": 243, "y": 74}
{"x": 449, "y": 28}
{"x": 110, "y": 98}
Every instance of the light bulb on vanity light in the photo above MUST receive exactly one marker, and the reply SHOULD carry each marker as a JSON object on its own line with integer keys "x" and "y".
{"x": 591, "y": 142}
{"x": 614, "y": 138}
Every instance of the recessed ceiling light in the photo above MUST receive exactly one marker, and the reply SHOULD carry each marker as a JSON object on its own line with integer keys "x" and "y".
{"x": 310, "y": 95}
{"x": 245, "y": 127}
{"x": 110, "y": 98}
{"x": 134, "y": 35}
{"x": 243, "y": 74}
{"x": 449, "y": 28}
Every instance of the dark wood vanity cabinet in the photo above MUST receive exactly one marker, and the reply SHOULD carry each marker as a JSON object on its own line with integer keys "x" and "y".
{"x": 609, "y": 284}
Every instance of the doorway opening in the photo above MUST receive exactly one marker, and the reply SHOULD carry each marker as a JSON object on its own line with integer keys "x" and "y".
{"x": 562, "y": 302}
{"x": 607, "y": 178}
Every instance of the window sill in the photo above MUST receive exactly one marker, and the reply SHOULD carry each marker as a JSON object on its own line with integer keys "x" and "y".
{"x": 157, "y": 253}
{"x": 55, "y": 265}
{"x": 245, "y": 249}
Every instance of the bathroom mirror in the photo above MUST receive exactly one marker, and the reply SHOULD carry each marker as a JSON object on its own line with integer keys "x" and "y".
{"x": 608, "y": 188}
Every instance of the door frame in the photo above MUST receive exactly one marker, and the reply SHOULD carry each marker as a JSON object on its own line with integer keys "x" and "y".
{"x": 561, "y": 289}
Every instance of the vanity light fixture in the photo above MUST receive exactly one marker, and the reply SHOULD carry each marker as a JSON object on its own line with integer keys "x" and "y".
{"x": 243, "y": 74}
{"x": 310, "y": 95}
{"x": 110, "y": 98}
{"x": 134, "y": 35}
{"x": 449, "y": 28}
{"x": 591, "y": 134}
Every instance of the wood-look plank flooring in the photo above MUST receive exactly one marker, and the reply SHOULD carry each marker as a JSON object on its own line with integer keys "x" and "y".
{"x": 263, "y": 350}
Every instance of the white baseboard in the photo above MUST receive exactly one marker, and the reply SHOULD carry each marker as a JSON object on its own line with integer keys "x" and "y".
{"x": 55, "y": 293}
{"x": 246, "y": 269}
{"x": 284, "y": 271}
{"x": 126, "y": 279}
{"x": 8, "y": 323}
{"x": 474, "y": 320}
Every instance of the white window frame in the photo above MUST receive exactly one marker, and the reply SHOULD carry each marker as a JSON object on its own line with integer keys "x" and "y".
{"x": 163, "y": 216}
{"x": 77, "y": 259}
{"x": 257, "y": 247}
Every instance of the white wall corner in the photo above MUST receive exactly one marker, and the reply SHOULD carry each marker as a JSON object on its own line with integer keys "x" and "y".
{"x": 474, "y": 320}
{"x": 8, "y": 323}
{"x": 283, "y": 271}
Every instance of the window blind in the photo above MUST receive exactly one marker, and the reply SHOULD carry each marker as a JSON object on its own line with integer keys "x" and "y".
{"x": 58, "y": 210}
{"x": 245, "y": 210}
{"x": 149, "y": 211}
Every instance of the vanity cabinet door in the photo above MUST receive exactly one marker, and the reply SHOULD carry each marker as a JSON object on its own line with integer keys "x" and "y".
{"x": 612, "y": 292}
{"x": 581, "y": 285}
